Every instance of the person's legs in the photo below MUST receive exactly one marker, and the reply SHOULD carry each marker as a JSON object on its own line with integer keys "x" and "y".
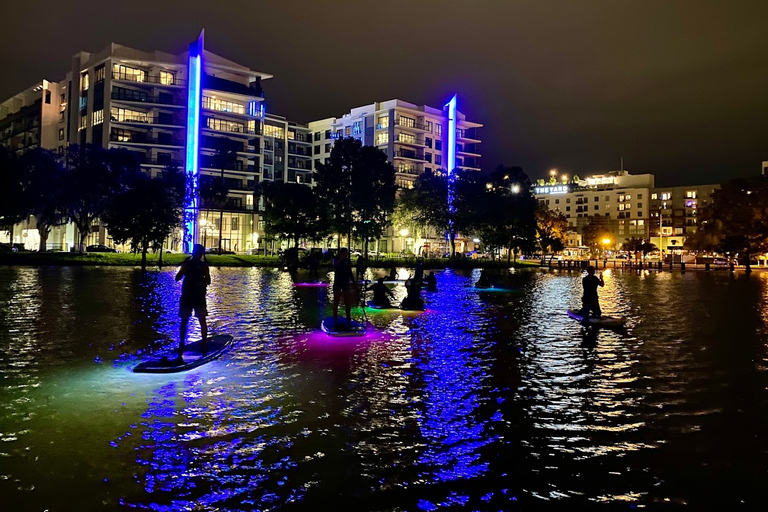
{"x": 203, "y": 331}
{"x": 348, "y": 305}
{"x": 336, "y": 298}
{"x": 183, "y": 333}
{"x": 596, "y": 308}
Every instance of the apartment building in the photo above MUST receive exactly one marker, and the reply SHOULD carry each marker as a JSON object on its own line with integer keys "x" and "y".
{"x": 287, "y": 151}
{"x": 674, "y": 213}
{"x": 415, "y": 138}
{"x": 195, "y": 110}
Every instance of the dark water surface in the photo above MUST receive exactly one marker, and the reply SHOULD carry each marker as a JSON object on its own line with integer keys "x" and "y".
{"x": 487, "y": 401}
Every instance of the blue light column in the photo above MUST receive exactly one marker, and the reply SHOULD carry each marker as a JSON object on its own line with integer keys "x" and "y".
{"x": 451, "y": 161}
{"x": 192, "y": 170}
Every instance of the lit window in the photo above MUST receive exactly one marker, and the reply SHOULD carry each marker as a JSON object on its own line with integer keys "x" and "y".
{"x": 61, "y": 133}
{"x": 690, "y": 194}
{"x": 383, "y": 122}
{"x": 98, "y": 117}
{"x": 406, "y": 137}
{"x": 128, "y": 115}
{"x": 84, "y": 81}
{"x": 438, "y": 129}
{"x": 406, "y": 121}
{"x": 121, "y": 72}
{"x": 166, "y": 78}
{"x": 429, "y": 126}
{"x": 211, "y": 103}
{"x": 382, "y": 138}
{"x": 654, "y": 196}
{"x": 273, "y": 131}
{"x": 347, "y": 131}
{"x": 357, "y": 127}
{"x": 83, "y": 123}
{"x": 98, "y": 74}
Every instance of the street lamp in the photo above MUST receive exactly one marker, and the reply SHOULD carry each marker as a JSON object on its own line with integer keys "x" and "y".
{"x": 606, "y": 241}
{"x": 403, "y": 234}
{"x": 515, "y": 189}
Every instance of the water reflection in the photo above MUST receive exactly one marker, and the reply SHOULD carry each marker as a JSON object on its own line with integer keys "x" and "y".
{"x": 485, "y": 401}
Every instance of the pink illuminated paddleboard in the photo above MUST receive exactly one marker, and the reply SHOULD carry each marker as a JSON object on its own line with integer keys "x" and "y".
{"x": 341, "y": 328}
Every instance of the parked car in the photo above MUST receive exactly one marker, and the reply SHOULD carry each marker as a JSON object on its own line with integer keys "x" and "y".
{"x": 99, "y": 248}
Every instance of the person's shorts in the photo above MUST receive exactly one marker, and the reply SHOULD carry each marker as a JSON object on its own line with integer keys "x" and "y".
{"x": 187, "y": 304}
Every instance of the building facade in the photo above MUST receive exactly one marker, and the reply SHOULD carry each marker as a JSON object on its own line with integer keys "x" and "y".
{"x": 415, "y": 138}
{"x": 674, "y": 213}
{"x": 145, "y": 103}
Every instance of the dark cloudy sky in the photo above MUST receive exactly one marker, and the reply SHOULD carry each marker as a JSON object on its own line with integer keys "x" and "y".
{"x": 677, "y": 88}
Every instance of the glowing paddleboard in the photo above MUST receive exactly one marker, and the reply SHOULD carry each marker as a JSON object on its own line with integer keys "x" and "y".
{"x": 192, "y": 358}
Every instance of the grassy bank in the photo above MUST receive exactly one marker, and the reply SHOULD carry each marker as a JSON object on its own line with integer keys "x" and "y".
{"x": 224, "y": 260}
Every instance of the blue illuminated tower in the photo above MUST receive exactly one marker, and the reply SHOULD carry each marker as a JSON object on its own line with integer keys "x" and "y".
{"x": 191, "y": 165}
{"x": 451, "y": 158}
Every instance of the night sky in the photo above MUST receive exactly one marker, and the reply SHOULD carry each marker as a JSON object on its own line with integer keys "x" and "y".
{"x": 676, "y": 88}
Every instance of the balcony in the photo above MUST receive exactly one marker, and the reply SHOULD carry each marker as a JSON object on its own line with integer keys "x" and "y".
{"x": 416, "y": 142}
{"x": 143, "y": 99}
{"x": 220, "y": 84}
{"x": 148, "y": 79}
{"x": 157, "y": 119}
{"x": 139, "y": 138}
{"x": 161, "y": 161}
{"x": 411, "y": 125}
{"x": 408, "y": 155}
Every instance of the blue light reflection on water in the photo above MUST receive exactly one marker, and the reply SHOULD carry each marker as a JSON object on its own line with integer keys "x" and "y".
{"x": 484, "y": 400}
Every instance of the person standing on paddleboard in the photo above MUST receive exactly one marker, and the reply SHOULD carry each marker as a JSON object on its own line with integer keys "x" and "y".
{"x": 343, "y": 284}
{"x": 197, "y": 277}
{"x": 590, "y": 300}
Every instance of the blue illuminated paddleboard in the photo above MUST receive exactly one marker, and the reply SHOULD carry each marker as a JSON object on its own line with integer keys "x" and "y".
{"x": 610, "y": 322}
{"x": 192, "y": 358}
{"x": 342, "y": 328}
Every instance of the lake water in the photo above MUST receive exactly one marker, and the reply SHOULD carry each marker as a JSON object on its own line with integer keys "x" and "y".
{"x": 486, "y": 401}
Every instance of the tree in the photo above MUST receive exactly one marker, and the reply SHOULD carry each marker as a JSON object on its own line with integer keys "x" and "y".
{"x": 147, "y": 210}
{"x": 739, "y": 217}
{"x": 357, "y": 186}
{"x": 596, "y": 231}
{"x": 224, "y": 158}
{"x": 12, "y": 203}
{"x": 92, "y": 178}
{"x": 507, "y": 211}
{"x": 638, "y": 245}
{"x": 407, "y": 213}
{"x": 551, "y": 228}
{"x": 43, "y": 175}
{"x": 292, "y": 211}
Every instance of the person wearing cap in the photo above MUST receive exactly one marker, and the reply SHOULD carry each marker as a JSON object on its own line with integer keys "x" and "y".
{"x": 196, "y": 277}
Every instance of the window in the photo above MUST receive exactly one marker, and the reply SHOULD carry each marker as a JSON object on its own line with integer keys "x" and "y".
{"x": 126, "y": 114}
{"x": 252, "y": 126}
{"x": 212, "y": 103}
{"x": 166, "y": 78}
{"x": 98, "y": 117}
{"x": 382, "y": 138}
{"x": 121, "y": 72}
{"x": 429, "y": 126}
{"x": 557, "y": 201}
{"x": 428, "y": 142}
{"x": 438, "y": 129}
{"x": 641, "y": 223}
{"x": 48, "y": 97}
{"x": 273, "y": 131}
{"x": 347, "y": 131}
{"x": 234, "y": 221}
{"x": 63, "y": 99}
{"x": 406, "y": 137}
{"x": 666, "y": 196}
{"x": 639, "y": 196}
{"x": 317, "y": 136}
{"x": 408, "y": 122}
{"x": 597, "y": 198}
{"x": 639, "y": 213}
{"x": 654, "y": 196}
{"x": 327, "y": 150}
{"x": 98, "y": 74}
{"x": 61, "y": 133}
{"x": 61, "y": 116}
{"x": 121, "y": 93}
{"x": 383, "y": 122}
{"x": 597, "y": 207}
{"x": 357, "y": 127}
{"x": 567, "y": 208}
{"x": 586, "y": 199}
{"x": 327, "y": 134}
{"x": 438, "y": 145}
{"x": 428, "y": 157}
{"x": 568, "y": 200}
{"x": 639, "y": 205}
{"x": 83, "y": 123}
{"x": 438, "y": 159}
{"x": 316, "y": 150}
{"x": 690, "y": 194}
{"x": 224, "y": 125}
{"x": 84, "y": 82}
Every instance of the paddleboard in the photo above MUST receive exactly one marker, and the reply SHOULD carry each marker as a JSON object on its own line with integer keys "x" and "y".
{"x": 192, "y": 358}
{"x": 341, "y": 328}
{"x": 610, "y": 322}
{"x": 311, "y": 284}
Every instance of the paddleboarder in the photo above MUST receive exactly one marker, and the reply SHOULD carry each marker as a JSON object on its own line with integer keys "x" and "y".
{"x": 590, "y": 300}
{"x": 197, "y": 276}
{"x": 343, "y": 285}
{"x": 380, "y": 292}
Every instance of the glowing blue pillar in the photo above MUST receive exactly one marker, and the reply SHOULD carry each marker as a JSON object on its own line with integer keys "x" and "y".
{"x": 191, "y": 168}
{"x": 451, "y": 160}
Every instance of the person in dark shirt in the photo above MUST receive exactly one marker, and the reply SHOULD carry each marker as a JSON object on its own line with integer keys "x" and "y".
{"x": 313, "y": 262}
{"x": 343, "y": 284}
{"x": 431, "y": 282}
{"x": 590, "y": 301}
{"x": 413, "y": 300}
{"x": 196, "y": 274}
{"x": 380, "y": 293}
{"x": 393, "y": 274}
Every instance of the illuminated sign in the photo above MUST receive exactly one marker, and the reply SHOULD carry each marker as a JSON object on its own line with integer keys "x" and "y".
{"x": 191, "y": 169}
{"x": 600, "y": 180}
{"x": 554, "y": 189}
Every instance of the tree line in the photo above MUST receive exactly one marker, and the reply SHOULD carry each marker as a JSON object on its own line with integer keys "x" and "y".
{"x": 355, "y": 196}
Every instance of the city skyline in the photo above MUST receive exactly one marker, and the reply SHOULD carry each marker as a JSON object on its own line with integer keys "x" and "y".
{"x": 674, "y": 90}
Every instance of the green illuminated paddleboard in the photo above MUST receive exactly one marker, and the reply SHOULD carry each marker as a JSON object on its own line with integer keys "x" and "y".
{"x": 192, "y": 358}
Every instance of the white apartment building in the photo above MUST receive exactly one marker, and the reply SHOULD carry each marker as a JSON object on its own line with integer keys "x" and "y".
{"x": 414, "y": 137}
{"x": 196, "y": 110}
